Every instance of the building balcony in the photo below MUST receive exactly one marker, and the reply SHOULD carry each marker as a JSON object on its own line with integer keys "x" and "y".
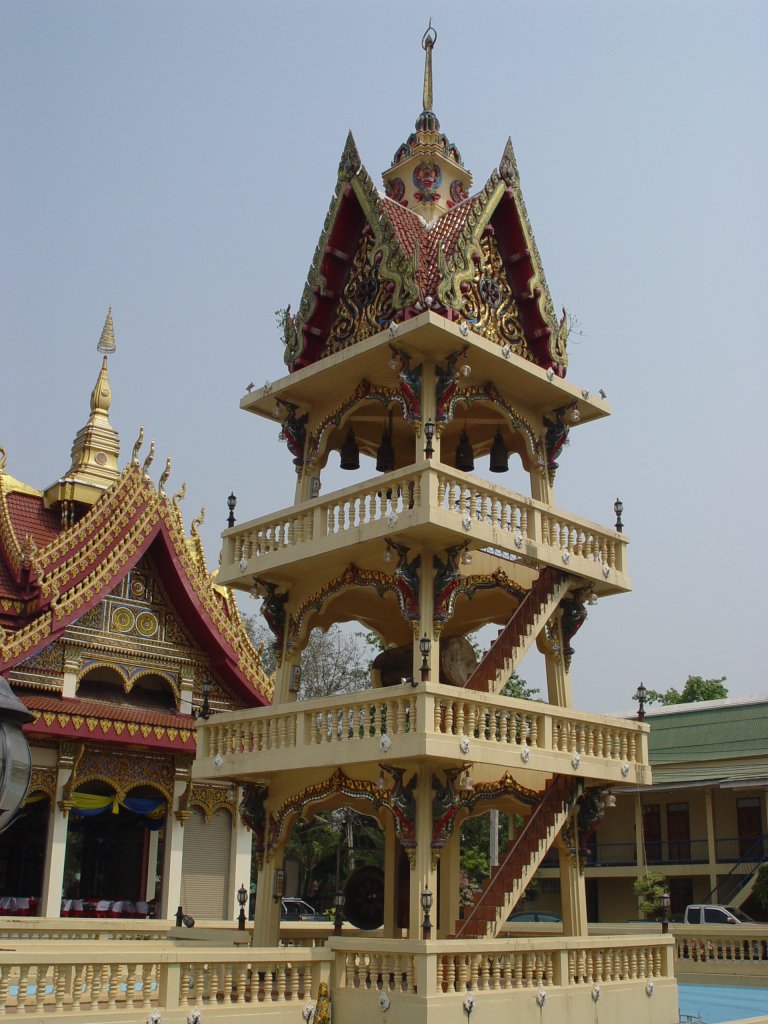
{"x": 434, "y": 503}
{"x": 404, "y": 723}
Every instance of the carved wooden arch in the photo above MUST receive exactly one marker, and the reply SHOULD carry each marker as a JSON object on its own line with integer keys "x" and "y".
{"x": 122, "y": 772}
{"x": 351, "y": 577}
{"x": 159, "y": 674}
{"x": 534, "y": 451}
{"x": 209, "y": 799}
{"x": 395, "y": 800}
{"x": 96, "y": 664}
{"x": 43, "y": 780}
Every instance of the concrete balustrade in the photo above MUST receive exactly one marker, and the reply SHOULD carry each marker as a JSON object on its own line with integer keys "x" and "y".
{"x": 396, "y": 501}
{"x": 433, "y": 718}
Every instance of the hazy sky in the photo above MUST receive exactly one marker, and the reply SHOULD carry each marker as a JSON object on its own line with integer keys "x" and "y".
{"x": 176, "y": 158}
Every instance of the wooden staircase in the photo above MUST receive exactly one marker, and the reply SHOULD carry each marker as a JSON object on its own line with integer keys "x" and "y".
{"x": 508, "y": 880}
{"x": 506, "y": 652}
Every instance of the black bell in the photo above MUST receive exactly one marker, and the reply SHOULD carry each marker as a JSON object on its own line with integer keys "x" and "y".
{"x": 350, "y": 453}
{"x": 385, "y": 455}
{"x": 499, "y": 455}
{"x": 465, "y": 457}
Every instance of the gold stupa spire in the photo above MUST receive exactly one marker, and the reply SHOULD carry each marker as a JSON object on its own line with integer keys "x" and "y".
{"x": 428, "y": 41}
{"x": 96, "y": 447}
{"x": 427, "y": 174}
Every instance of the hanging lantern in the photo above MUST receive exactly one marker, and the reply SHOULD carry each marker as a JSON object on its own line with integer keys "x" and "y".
{"x": 350, "y": 453}
{"x": 499, "y": 455}
{"x": 465, "y": 457}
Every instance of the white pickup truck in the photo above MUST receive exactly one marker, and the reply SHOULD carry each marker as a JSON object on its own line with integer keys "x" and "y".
{"x": 709, "y": 913}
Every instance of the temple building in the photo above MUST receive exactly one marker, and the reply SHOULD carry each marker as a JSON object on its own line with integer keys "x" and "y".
{"x": 426, "y": 353}
{"x": 115, "y": 635}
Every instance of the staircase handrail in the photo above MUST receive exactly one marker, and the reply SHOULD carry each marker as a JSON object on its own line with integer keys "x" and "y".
{"x": 556, "y": 786}
{"x": 757, "y": 854}
{"x": 495, "y": 656}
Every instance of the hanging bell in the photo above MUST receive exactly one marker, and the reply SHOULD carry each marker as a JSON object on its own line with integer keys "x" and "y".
{"x": 350, "y": 453}
{"x": 385, "y": 454}
{"x": 465, "y": 457}
{"x": 499, "y": 455}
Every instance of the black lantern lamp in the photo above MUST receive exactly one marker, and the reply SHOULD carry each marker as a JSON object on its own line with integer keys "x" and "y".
{"x": 426, "y": 906}
{"x": 242, "y": 899}
{"x": 204, "y": 712}
{"x": 641, "y": 696}
{"x": 465, "y": 456}
{"x": 338, "y": 911}
{"x": 425, "y": 646}
{"x": 618, "y": 508}
{"x": 665, "y": 901}
{"x": 499, "y": 455}
{"x": 385, "y": 454}
{"x": 231, "y": 503}
{"x": 429, "y": 433}
{"x": 350, "y": 453}
{"x": 15, "y": 757}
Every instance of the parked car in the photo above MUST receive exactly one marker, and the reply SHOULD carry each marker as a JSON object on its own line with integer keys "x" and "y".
{"x": 712, "y": 913}
{"x": 541, "y": 916}
{"x": 295, "y": 909}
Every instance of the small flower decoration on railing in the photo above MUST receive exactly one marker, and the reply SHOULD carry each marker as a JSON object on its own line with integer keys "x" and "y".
{"x": 606, "y": 571}
{"x": 566, "y": 557}
{"x": 153, "y": 1018}
{"x": 466, "y": 522}
{"x": 393, "y": 520}
{"x": 525, "y": 755}
{"x": 464, "y": 745}
{"x": 384, "y": 1001}
{"x": 575, "y": 761}
{"x": 518, "y": 537}
{"x": 625, "y": 770}
{"x": 196, "y": 1017}
{"x": 469, "y": 1005}
{"x": 385, "y": 743}
{"x": 595, "y": 993}
{"x": 308, "y": 1012}
{"x": 218, "y": 761}
{"x": 649, "y": 989}
{"x": 541, "y": 997}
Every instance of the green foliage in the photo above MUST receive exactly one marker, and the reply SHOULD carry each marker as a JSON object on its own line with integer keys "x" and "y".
{"x": 519, "y": 688}
{"x": 650, "y": 888}
{"x": 760, "y": 888}
{"x": 696, "y": 689}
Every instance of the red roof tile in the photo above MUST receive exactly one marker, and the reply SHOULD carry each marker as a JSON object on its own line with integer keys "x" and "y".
{"x": 106, "y": 709}
{"x": 30, "y": 516}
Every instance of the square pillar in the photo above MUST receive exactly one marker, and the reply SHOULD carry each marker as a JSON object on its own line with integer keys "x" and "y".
{"x": 573, "y": 895}
{"x": 266, "y": 915}
{"x": 422, "y": 875}
{"x": 240, "y": 859}
{"x": 55, "y": 851}
{"x": 173, "y": 853}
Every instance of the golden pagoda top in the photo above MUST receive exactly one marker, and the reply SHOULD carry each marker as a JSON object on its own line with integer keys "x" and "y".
{"x": 96, "y": 447}
{"x": 427, "y": 174}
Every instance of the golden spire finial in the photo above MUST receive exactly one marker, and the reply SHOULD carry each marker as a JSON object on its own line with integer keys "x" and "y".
{"x": 107, "y": 343}
{"x": 428, "y": 41}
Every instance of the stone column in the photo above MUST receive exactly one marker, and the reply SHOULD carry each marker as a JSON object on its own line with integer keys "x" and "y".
{"x": 573, "y": 895}
{"x": 711, "y": 844}
{"x": 391, "y": 861}
{"x": 558, "y": 680}
{"x": 422, "y": 875}
{"x": 639, "y": 834}
{"x": 266, "y": 917}
{"x": 71, "y": 668}
{"x": 55, "y": 850}
{"x": 449, "y": 902}
{"x": 240, "y": 859}
{"x": 174, "y": 848}
{"x": 152, "y": 850}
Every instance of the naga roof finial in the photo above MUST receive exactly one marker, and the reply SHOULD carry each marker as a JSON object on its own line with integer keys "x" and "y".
{"x": 428, "y": 41}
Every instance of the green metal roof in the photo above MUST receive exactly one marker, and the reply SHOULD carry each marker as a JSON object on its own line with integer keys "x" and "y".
{"x": 726, "y": 730}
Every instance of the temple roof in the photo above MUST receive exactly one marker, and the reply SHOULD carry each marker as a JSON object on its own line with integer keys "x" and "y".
{"x": 50, "y": 576}
{"x": 426, "y": 244}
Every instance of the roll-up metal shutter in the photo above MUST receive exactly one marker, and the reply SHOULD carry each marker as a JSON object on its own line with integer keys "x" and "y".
{"x": 205, "y": 866}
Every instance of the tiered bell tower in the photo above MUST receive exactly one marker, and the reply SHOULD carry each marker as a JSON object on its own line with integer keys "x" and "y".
{"x": 426, "y": 348}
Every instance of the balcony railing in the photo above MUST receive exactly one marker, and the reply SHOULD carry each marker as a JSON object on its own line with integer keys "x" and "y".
{"x": 356, "y": 723}
{"x": 453, "y": 499}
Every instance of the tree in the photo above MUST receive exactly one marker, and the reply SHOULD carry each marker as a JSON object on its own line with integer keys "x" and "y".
{"x": 332, "y": 662}
{"x": 519, "y": 688}
{"x": 696, "y": 689}
{"x": 760, "y": 888}
{"x": 650, "y": 888}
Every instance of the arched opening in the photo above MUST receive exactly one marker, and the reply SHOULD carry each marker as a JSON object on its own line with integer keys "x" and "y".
{"x": 114, "y": 849}
{"x": 22, "y": 856}
{"x": 151, "y": 691}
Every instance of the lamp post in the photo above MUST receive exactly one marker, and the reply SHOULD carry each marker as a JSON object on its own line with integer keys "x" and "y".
{"x": 425, "y": 646}
{"x": 242, "y": 899}
{"x": 426, "y": 906}
{"x": 15, "y": 757}
{"x": 618, "y": 508}
{"x": 429, "y": 433}
{"x": 231, "y": 503}
{"x": 338, "y": 911}
{"x": 640, "y": 696}
{"x": 665, "y": 902}
{"x": 205, "y": 711}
